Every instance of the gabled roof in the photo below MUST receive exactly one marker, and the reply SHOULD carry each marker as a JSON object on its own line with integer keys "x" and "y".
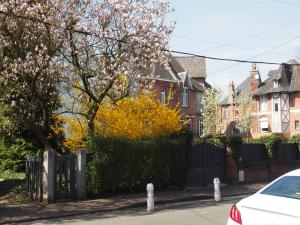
{"x": 175, "y": 71}
{"x": 195, "y": 66}
{"x": 244, "y": 86}
{"x": 288, "y": 77}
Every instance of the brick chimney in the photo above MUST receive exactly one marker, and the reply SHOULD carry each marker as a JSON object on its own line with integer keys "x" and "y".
{"x": 231, "y": 92}
{"x": 254, "y": 78}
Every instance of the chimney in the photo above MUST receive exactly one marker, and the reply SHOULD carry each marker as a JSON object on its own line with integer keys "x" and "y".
{"x": 255, "y": 78}
{"x": 231, "y": 92}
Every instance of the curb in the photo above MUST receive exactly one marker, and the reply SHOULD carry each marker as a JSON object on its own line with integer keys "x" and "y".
{"x": 129, "y": 206}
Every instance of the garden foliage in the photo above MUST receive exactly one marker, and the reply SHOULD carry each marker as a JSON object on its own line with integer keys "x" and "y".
{"x": 122, "y": 164}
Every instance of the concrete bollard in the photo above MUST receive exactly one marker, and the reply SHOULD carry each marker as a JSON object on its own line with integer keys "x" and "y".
{"x": 217, "y": 189}
{"x": 241, "y": 176}
{"x": 150, "y": 197}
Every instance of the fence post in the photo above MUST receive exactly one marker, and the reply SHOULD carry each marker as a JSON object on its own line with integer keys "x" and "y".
{"x": 81, "y": 174}
{"x": 48, "y": 176}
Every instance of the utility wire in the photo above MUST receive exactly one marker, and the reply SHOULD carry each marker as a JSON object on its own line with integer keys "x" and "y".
{"x": 212, "y": 42}
{"x": 263, "y": 53}
{"x": 172, "y": 51}
{"x": 254, "y": 35}
{"x": 287, "y": 2}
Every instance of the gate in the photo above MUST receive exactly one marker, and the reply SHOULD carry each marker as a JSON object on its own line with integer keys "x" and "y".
{"x": 64, "y": 177}
{"x": 205, "y": 162}
{"x": 34, "y": 177}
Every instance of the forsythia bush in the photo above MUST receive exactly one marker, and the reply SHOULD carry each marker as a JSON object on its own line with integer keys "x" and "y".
{"x": 133, "y": 118}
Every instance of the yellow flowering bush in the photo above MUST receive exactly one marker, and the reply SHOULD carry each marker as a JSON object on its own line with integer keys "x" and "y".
{"x": 134, "y": 118}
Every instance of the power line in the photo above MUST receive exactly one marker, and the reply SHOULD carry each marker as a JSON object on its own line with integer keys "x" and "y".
{"x": 212, "y": 42}
{"x": 227, "y": 59}
{"x": 255, "y": 35}
{"x": 287, "y": 2}
{"x": 263, "y": 53}
{"x": 172, "y": 51}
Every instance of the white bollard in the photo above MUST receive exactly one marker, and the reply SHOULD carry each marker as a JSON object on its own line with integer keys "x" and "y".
{"x": 241, "y": 176}
{"x": 217, "y": 193}
{"x": 150, "y": 197}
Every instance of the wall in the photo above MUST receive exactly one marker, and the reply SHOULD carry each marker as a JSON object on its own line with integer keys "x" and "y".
{"x": 265, "y": 173}
{"x": 189, "y": 112}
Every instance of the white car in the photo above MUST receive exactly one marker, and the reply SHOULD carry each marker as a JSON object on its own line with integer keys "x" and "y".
{"x": 276, "y": 204}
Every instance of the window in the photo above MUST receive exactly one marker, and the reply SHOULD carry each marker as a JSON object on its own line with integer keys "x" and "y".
{"x": 163, "y": 96}
{"x": 297, "y": 125}
{"x": 200, "y": 128}
{"x": 264, "y": 126}
{"x": 236, "y": 113}
{"x": 199, "y": 103}
{"x": 288, "y": 187}
{"x": 275, "y": 83}
{"x": 276, "y": 107}
{"x": 226, "y": 113}
{"x": 263, "y": 103}
{"x": 172, "y": 93}
{"x": 185, "y": 97}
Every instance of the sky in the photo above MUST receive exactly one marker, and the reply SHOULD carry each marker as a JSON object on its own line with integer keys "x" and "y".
{"x": 260, "y": 30}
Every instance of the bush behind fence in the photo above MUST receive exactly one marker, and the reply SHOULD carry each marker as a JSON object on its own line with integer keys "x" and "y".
{"x": 121, "y": 164}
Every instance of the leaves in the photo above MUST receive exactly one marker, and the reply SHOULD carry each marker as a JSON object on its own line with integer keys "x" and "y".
{"x": 243, "y": 106}
{"x": 133, "y": 118}
{"x": 210, "y": 115}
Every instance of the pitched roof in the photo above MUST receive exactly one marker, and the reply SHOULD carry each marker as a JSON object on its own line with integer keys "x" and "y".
{"x": 176, "y": 71}
{"x": 288, "y": 77}
{"x": 244, "y": 86}
{"x": 195, "y": 66}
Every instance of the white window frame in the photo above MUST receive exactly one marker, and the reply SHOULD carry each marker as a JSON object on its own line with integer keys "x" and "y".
{"x": 185, "y": 97}
{"x": 261, "y": 128}
{"x": 275, "y": 83}
{"x": 163, "y": 96}
{"x": 200, "y": 127}
{"x": 263, "y": 103}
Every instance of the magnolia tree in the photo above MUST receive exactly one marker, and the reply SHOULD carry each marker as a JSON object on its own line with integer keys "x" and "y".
{"x": 243, "y": 106}
{"x": 210, "y": 115}
{"x": 111, "y": 48}
{"x": 28, "y": 67}
{"x": 91, "y": 50}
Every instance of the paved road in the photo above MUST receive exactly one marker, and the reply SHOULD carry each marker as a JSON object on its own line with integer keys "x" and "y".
{"x": 201, "y": 212}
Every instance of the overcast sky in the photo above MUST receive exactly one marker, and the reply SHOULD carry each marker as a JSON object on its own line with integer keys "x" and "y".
{"x": 262, "y": 30}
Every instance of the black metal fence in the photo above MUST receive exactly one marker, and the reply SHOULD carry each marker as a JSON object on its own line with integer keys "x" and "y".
{"x": 34, "y": 177}
{"x": 205, "y": 162}
{"x": 253, "y": 153}
{"x": 287, "y": 151}
{"x": 257, "y": 152}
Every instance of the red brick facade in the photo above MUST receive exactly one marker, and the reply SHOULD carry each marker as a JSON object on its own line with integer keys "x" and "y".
{"x": 189, "y": 112}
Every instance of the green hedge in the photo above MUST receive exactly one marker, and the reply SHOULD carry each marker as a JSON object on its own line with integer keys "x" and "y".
{"x": 120, "y": 164}
{"x": 13, "y": 155}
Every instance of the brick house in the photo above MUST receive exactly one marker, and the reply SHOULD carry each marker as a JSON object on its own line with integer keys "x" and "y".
{"x": 228, "y": 112}
{"x": 182, "y": 83}
{"x": 275, "y": 102}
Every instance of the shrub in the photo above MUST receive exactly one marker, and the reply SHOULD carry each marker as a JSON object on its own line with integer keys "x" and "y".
{"x": 296, "y": 140}
{"x": 271, "y": 142}
{"x": 12, "y": 157}
{"x": 234, "y": 142}
{"x": 121, "y": 164}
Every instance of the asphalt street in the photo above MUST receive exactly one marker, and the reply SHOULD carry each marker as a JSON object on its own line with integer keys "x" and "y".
{"x": 204, "y": 212}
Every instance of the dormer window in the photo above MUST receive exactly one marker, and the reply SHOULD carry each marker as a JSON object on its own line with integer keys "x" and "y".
{"x": 275, "y": 83}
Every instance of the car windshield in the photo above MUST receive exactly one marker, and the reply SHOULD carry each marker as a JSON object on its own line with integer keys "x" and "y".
{"x": 288, "y": 186}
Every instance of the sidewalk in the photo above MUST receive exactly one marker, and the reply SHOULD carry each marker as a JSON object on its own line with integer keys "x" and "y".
{"x": 34, "y": 211}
